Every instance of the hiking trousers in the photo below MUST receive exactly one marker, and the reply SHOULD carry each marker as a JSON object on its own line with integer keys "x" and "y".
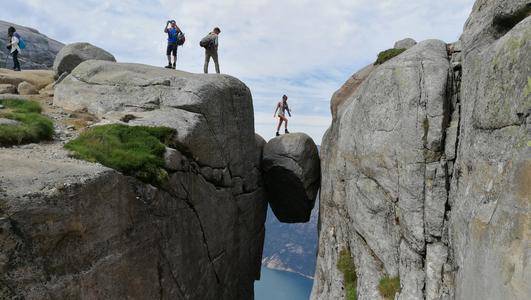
{"x": 214, "y": 54}
{"x": 16, "y": 63}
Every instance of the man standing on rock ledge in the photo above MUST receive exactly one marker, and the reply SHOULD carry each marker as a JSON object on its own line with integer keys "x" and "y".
{"x": 173, "y": 33}
{"x": 210, "y": 43}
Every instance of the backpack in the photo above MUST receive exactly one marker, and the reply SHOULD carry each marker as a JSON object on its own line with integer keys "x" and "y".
{"x": 181, "y": 39}
{"x": 21, "y": 43}
{"x": 207, "y": 42}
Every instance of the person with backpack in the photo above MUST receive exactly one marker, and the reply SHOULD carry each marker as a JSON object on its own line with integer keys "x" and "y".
{"x": 175, "y": 39}
{"x": 210, "y": 43}
{"x": 14, "y": 46}
{"x": 282, "y": 108}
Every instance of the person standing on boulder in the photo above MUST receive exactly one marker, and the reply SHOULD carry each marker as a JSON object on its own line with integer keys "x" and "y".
{"x": 282, "y": 108}
{"x": 173, "y": 32}
{"x": 13, "y": 46}
{"x": 210, "y": 43}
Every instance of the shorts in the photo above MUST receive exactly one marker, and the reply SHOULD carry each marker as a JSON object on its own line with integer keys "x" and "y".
{"x": 172, "y": 48}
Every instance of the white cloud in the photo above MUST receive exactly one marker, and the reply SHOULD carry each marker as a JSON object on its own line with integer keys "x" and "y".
{"x": 303, "y": 48}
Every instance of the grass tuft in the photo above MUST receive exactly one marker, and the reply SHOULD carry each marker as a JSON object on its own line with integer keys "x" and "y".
{"x": 133, "y": 150}
{"x": 389, "y": 286}
{"x": 34, "y": 127}
{"x": 388, "y": 54}
{"x": 345, "y": 264}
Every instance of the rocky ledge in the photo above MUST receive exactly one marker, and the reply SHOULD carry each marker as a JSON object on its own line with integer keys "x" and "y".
{"x": 76, "y": 230}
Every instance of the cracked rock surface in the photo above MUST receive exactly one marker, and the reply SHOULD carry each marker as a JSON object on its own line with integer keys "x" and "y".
{"x": 292, "y": 174}
{"x": 426, "y": 168}
{"x": 76, "y": 230}
{"x": 491, "y": 185}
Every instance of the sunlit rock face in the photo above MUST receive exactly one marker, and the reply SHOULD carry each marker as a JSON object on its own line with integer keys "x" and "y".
{"x": 71, "y": 229}
{"x": 426, "y": 168}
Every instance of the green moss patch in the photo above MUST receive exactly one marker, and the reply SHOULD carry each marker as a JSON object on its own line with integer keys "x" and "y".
{"x": 34, "y": 127}
{"x": 388, "y": 54}
{"x": 133, "y": 150}
{"x": 389, "y": 286}
{"x": 345, "y": 265}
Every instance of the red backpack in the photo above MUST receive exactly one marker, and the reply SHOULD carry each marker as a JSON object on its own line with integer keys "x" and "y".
{"x": 181, "y": 38}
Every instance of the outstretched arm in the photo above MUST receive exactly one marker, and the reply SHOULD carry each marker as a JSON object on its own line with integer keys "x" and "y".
{"x": 276, "y": 109}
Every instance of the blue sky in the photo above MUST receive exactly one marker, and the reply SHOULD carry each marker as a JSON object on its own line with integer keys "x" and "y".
{"x": 303, "y": 48}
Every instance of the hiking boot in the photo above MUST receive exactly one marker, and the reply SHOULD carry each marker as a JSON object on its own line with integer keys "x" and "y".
{"x": 169, "y": 66}
{"x": 173, "y": 66}
{"x": 278, "y": 134}
{"x": 286, "y": 131}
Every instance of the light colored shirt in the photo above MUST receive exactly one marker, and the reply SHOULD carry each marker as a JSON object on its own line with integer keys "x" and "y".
{"x": 282, "y": 108}
{"x": 14, "y": 44}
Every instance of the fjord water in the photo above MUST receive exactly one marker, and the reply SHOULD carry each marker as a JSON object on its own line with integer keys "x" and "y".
{"x": 281, "y": 285}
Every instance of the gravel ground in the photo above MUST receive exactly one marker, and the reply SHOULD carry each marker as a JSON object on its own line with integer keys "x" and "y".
{"x": 46, "y": 167}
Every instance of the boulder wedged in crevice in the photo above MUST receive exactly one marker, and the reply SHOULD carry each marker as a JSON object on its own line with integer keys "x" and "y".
{"x": 291, "y": 172}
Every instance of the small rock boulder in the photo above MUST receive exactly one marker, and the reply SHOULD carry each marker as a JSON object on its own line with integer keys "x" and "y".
{"x": 26, "y": 88}
{"x": 405, "y": 43}
{"x": 175, "y": 160}
{"x": 4, "y": 121}
{"x": 7, "y": 89}
{"x": 47, "y": 90}
{"x": 292, "y": 174}
{"x": 73, "y": 54}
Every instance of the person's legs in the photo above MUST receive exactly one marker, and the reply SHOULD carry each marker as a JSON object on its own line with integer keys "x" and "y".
{"x": 285, "y": 123}
{"x": 169, "y": 51}
{"x": 279, "y": 123}
{"x": 174, "y": 51}
{"x": 16, "y": 63}
{"x": 215, "y": 57}
{"x": 207, "y": 59}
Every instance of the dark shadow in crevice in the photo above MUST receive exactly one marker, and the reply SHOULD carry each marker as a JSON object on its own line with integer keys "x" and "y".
{"x": 504, "y": 23}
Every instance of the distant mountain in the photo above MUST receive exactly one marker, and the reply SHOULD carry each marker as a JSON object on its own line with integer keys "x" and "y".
{"x": 291, "y": 247}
